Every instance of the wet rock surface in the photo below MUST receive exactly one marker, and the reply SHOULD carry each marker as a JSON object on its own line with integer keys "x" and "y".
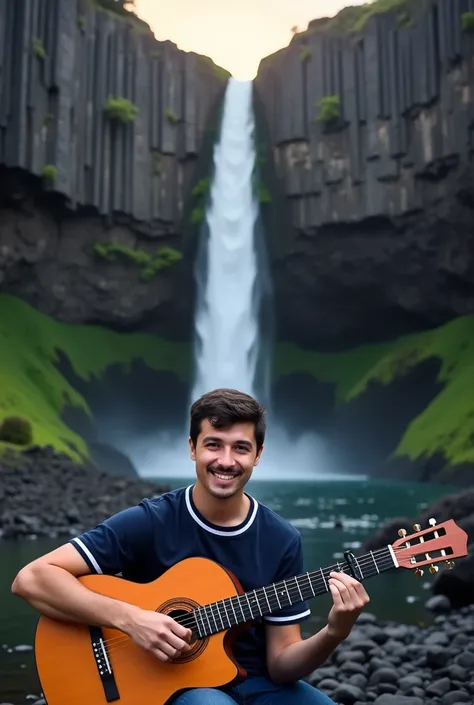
{"x": 393, "y": 664}
{"x": 43, "y": 493}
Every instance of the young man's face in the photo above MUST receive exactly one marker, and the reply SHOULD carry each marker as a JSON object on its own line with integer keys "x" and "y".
{"x": 225, "y": 458}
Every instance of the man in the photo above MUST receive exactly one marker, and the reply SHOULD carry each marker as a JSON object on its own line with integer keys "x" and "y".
{"x": 216, "y": 519}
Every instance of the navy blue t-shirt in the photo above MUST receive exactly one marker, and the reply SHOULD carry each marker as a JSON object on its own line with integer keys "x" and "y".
{"x": 142, "y": 542}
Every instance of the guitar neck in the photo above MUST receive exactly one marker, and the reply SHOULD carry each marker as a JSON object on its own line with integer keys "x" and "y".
{"x": 261, "y": 602}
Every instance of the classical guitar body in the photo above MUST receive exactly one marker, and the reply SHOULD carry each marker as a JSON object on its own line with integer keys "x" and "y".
{"x": 69, "y": 657}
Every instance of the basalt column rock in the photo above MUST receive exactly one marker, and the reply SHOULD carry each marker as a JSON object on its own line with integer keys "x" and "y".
{"x": 371, "y": 137}
{"x": 101, "y": 127}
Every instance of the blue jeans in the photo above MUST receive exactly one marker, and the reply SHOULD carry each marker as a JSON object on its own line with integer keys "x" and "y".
{"x": 256, "y": 691}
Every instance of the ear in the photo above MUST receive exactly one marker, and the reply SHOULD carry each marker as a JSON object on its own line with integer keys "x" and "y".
{"x": 192, "y": 449}
{"x": 259, "y": 455}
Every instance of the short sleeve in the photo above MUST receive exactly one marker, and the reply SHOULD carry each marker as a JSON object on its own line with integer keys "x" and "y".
{"x": 290, "y": 566}
{"x": 118, "y": 543}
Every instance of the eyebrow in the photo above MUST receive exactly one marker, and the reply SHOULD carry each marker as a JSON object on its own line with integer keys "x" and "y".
{"x": 218, "y": 440}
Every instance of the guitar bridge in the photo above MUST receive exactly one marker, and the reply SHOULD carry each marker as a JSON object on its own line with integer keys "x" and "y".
{"x": 104, "y": 667}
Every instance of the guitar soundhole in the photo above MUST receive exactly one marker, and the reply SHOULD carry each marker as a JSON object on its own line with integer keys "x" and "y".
{"x": 178, "y": 609}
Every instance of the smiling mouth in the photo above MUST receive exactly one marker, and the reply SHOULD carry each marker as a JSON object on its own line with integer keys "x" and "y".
{"x": 224, "y": 476}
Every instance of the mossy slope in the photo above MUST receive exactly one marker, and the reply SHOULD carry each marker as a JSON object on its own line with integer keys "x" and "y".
{"x": 32, "y": 387}
{"x": 447, "y": 423}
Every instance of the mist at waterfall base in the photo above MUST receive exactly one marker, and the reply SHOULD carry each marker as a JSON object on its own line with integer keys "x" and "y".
{"x": 233, "y": 332}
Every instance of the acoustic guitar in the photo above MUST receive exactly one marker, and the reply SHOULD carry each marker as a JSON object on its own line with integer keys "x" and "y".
{"x": 83, "y": 665}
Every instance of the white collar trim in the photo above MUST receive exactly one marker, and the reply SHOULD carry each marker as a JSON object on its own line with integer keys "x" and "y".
{"x": 217, "y": 532}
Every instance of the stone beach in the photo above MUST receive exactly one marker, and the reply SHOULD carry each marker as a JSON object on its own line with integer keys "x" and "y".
{"x": 397, "y": 664}
{"x": 43, "y": 493}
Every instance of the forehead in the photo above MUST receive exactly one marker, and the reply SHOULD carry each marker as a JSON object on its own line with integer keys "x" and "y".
{"x": 244, "y": 431}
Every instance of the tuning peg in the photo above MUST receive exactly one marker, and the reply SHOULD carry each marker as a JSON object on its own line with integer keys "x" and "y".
{"x": 402, "y": 533}
{"x": 432, "y": 522}
{"x": 449, "y": 565}
{"x": 419, "y": 573}
{"x": 416, "y": 527}
{"x": 433, "y": 568}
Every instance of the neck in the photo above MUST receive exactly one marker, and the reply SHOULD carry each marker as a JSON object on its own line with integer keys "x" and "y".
{"x": 229, "y": 511}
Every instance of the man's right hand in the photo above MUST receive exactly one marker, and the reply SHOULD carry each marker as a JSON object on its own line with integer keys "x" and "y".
{"x": 159, "y": 634}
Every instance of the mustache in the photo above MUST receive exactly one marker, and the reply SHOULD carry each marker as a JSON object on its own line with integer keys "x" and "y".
{"x": 216, "y": 467}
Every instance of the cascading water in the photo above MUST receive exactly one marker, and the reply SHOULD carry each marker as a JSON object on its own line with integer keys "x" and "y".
{"x": 227, "y": 328}
{"x": 231, "y": 323}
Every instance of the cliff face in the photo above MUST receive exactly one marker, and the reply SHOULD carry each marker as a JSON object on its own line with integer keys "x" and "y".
{"x": 370, "y": 222}
{"x": 101, "y": 127}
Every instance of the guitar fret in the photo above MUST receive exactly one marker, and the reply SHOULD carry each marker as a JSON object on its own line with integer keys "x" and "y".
{"x": 298, "y": 586}
{"x": 211, "y": 610}
{"x": 310, "y": 582}
{"x": 219, "y": 613}
{"x": 287, "y": 593}
{"x": 360, "y": 569}
{"x": 258, "y": 603}
{"x": 233, "y": 611}
{"x": 375, "y": 562}
{"x": 266, "y": 597}
{"x": 276, "y": 594}
{"x": 248, "y": 602}
{"x": 240, "y": 605}
{"x": 324, "y": 580}
{"x": 208, "y": 621}
{"x": 198, "y": 614}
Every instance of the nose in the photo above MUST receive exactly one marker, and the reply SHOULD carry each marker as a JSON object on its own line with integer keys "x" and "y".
{"x": 226, "y": 458}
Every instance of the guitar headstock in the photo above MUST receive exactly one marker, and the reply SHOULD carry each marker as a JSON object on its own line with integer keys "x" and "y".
{"x": 440, "y": 543}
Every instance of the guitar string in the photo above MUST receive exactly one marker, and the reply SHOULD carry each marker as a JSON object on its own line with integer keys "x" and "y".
{"x": 216, "y": 616}
{"x": 212, "y": 610}
{"x": 317, "y": 581}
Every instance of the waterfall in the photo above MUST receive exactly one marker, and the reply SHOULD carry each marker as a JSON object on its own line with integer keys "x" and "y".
{"x": 232, "y": 340}
{"x": 227, "y": 316}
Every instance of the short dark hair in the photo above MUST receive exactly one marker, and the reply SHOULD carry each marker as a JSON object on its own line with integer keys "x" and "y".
{"x": 225, "y": 407}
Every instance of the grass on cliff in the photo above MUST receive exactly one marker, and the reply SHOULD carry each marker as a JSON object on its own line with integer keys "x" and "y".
{"x": 355, "y": 17}
{"x": 447, "y": 423}
{"x": 32, "y": 387}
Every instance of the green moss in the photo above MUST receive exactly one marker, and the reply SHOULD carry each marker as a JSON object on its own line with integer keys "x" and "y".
{"x": 150, "y": 264}
{"x": 329, "y": 109}
{"x": 50, "y": 173}
{"x": 171, "y": 116}
{"x": 197, "y": 216}
{"x": 305, "y": 53}
{"x": 467, "y": 21}
{"x": 202, "y": 188}
{"x": 33, "y": 388}
{"x": 263, "y": 194}
{"x": 121, "y": 110}
{"x": 447, "y": 423}
{"x": 38, "y": 49}
{"x": 16, "y": 430}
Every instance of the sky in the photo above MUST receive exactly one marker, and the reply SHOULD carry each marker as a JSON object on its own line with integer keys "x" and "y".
{"x": 236, "y": 34}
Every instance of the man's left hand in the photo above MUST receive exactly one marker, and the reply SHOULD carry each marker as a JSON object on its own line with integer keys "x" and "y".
{"x": 349, "y": 599}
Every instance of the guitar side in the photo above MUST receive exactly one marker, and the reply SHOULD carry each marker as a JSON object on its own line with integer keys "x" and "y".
{"x": 69, "y": 668}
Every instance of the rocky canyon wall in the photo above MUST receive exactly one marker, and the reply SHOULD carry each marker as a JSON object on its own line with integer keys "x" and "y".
{"x": 101, "y": 132}
{"x": 371, "y": 134}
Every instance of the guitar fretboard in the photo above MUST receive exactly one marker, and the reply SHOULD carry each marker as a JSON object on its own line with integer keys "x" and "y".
{"x": 252, "y": 605}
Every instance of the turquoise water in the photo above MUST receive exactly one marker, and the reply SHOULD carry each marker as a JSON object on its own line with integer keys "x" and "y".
{"x": 358, "y": 507}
